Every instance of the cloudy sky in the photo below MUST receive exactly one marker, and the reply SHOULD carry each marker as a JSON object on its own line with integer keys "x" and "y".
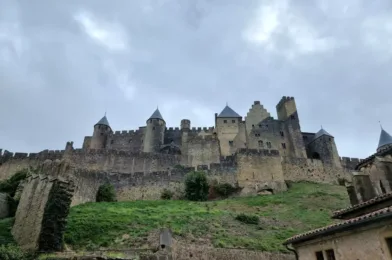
{"x": 64, "y": 63}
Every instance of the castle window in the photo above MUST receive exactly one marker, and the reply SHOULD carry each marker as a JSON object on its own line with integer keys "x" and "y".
{"x": 231, "y": 143}
{"x": 101, "y": 133}
{"x": 233, "y": 121}
{"x": 150, "y": 120}
{"x": 319, "y": 255}
{"x": 225, "y": 121}
{"x": 283, "y": 145}
{"x": 130, "y": 141}
{"x": 268, "y": 144}
{"x": 112, "y": 142}
{"x": 330, "y": 254}
{"x": 389, "y": 244}
{"x": 281, "y": 133}
{"x": 305, "y": 138}
{"x": 253, "y": 126}
{"x": 261, "y": 144}
{"x": 259, "y": 126}
{"x": 292, "y": 117}
{"x": 153, "y": 128}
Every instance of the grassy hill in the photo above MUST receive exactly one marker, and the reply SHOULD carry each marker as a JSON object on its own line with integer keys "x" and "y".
{"x": 131, "y": 224}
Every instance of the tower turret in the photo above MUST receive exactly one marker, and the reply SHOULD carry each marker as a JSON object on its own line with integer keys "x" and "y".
{"x": 323, "y": 147}
{"x": 102, "y": 130}
{"x": 185, "y": 124}
{"x": 227, "y": 125}
{"x": 155, "y": 131}
{"x": 385, "y": 140}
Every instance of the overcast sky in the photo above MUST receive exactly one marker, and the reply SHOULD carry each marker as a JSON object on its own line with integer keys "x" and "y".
{"x": 64, "y": 63}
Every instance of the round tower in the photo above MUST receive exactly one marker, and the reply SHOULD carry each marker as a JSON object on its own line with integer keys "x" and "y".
{"x": 155, "y": 132}
{"x": 385, "y": 140}
{"x": 102, "y": 130}
{"x": 323, "y": 147}
{"x": 185, "y": 124}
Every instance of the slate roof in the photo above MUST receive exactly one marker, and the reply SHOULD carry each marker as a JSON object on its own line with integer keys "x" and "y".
{"x": 342, "y": 226}
{"x": 385, "y": 139}
{"x": 364, "y": 204}
{"x": 156, "y": 115}
{"x": 228, "y": 112}
{"x": 103, "y": 121}
{"x": 321, "y": 133}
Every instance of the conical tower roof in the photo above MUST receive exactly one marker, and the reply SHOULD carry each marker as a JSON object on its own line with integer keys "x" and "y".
{"x": 322, "y": 132}
{"x": 228, "y": 112}
{"x": 103, "y": 121}
{"x": 385, "y": 139}
{"x": 156, "y": 115}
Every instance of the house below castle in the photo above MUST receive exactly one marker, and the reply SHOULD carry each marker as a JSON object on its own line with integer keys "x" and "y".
{"x": 365, "y": 229}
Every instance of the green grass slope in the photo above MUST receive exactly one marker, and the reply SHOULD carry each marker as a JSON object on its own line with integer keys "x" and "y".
{"x": 5, "y": 231}
{"x": 131, "y": 224}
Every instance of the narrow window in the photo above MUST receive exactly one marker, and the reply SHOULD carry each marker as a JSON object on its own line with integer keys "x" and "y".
{"x": 382, "y": 188}
{"x": 389, "y": 244}
{"x": 261, "y": 144}
{"x": 281, "y": 133}
{"x": 101, "y": 133}
{"x": 231, "y": 143}
{"x": 319, "y": 255}
{"x": 112, "y": 142}
{"x": 233, "y": 121}
{"x": 283, "y": 145}
{"x": 253, "y": 126}
{"x": 153, "y": 128}
{"x": 330, "y": 254}
{"x": 130, "y": 141}
{"x": 225, "y": 121}
{"x": 305, "y": 138}
{"x": 259, "y": 126}
{"x": 292, "y": 117}
{"x": 268, "y": 144}
{"x": 150, "y": 120}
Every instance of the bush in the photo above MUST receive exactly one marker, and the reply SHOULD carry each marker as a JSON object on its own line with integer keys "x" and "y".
{"x": 10, "y": 185}
{"x": 12, "y": 252}
{"x": 196, "y": 186}
{"x": 106, "y": 193}
{"x": 225, "y": 189}
{"x": 167, "y": 194}
{"x": 247, "y": 219}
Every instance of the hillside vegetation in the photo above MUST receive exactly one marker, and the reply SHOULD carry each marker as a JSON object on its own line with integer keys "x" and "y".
{"x": 261, "y": 222}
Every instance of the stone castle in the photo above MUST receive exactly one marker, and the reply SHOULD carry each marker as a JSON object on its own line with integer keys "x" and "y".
{"x": 257, "y": 153}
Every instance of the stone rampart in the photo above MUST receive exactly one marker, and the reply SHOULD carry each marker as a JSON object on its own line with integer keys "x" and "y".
{"x": 303, "y": 169}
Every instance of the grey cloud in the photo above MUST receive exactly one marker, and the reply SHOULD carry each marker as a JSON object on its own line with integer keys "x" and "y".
{"x": 190, "y": 58}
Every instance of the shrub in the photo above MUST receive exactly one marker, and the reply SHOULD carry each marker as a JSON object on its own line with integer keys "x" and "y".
{"x": 11, "y": 252}
{"x": 196, "y": 186}
{"x": 106, "y": 193}
{"x": 167, "y": 194}
{"x": 247, "y": 219}
{"x": 10, "y": 185}
{"x": 225, "y": 189}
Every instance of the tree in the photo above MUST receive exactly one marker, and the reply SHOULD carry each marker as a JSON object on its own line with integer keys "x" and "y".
{"x": 106, "y": 193}
{"x": 196, "y": 186}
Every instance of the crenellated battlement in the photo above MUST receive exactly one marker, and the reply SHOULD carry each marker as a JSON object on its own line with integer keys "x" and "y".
{"x": 351, "y": 160}
{"x": 127, "y": 132}
{"x": 43, "y": 155}
{"x": 283, "y": 100}
{"x": 205, "y": 129}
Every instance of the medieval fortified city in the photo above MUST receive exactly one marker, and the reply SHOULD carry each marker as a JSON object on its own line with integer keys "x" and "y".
{"x": 268, "y": 184}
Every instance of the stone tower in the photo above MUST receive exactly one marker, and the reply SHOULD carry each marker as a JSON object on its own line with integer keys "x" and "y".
{"x": 227, "y": 125}
{"x": 102, "y": 130}
{"x": 385, "y": 140}
{"x": 155, "y": 131}
{"x": 287, "y": 112}
{"x": 323, "y": 147}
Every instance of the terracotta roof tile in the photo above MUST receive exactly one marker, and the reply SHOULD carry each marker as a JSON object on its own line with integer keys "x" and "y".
{"x": 338, "y": 226}
{"x": 362, "y": 205}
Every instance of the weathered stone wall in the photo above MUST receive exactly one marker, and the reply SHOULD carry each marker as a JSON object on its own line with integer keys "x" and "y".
{"x": 227, "y": 130}
{"x": 10, "y": 163}
{"x": 121, "y": 161}
{"x": 202, "y": 149}
{"x": 259, "y": 170}
{"x": 190, "y": 252}
{"x": 4, "y": 211}
{"x": 126, "y": 140}
{"x": 302, "y": 169}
